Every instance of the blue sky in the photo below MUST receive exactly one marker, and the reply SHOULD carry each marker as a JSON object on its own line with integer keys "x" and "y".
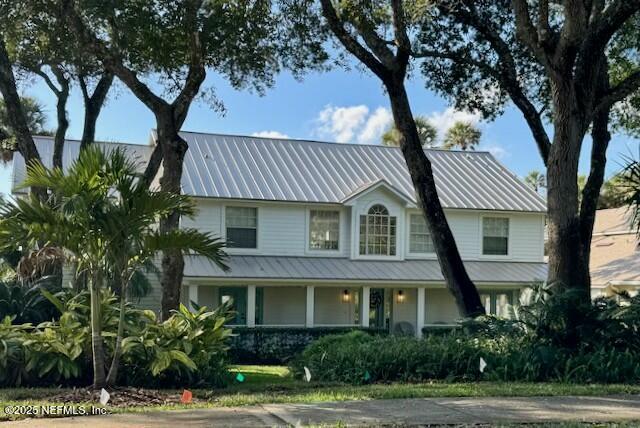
{"x": 345, "y": 106}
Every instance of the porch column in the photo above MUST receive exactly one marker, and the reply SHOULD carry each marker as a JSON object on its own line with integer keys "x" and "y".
{"x": 193, "y": 297}
{"x": 420, "y": 311}
{"x": 310, "y": 306}
{"x": 364, "y": 307}
{"x": 251, "y": 306}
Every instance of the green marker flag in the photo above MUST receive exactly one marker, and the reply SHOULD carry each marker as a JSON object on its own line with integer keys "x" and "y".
{"x": 240, "y": 377}
{"x": 367, "y": 376}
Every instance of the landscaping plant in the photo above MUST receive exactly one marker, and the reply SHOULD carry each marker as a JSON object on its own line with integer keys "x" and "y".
{"x": 103, "y": 218}
{"x": 188, "y": 349}
{"x": 536, "y": 345}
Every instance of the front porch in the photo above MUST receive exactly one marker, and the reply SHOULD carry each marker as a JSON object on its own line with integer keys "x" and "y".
{"x": 401, "y": 310}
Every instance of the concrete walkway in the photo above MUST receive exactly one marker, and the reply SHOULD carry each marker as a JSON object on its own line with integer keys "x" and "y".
{"x": 427, "y": 411}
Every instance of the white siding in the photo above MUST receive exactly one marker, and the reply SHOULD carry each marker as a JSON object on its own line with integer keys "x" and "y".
{"x": 283, "y": 228}
{"x": 208, "y": 217}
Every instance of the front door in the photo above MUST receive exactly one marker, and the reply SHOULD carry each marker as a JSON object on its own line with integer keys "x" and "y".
{"x": 379, "y": 308}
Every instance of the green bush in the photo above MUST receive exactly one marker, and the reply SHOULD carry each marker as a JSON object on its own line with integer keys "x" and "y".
{"x": 188, "y": 349}
{"x": 274, "y": 345}
{"x": 185, "y": 350}
{"x": 25, "y": 303}
{"x": 532, "y": 347}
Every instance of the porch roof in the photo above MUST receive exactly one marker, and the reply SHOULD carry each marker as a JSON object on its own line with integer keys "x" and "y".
{"x": 344, "y": 269}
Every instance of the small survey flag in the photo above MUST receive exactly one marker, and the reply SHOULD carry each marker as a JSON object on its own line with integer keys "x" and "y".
{"x": 483, "y": 365}
{"x": 104, "y": 397}
{"x": 187, "y": 396}
{"x": 240, "y": 377}
{"x": 307, "y": 374}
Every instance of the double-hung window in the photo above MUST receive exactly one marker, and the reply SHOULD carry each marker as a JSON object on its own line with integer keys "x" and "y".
{"x": 495, "y": 236}
{"x": 242, "y": 227}
{"x": 419, "y": 236}
{"x": 378, "y": 232}
{"x": 324, "y": 230}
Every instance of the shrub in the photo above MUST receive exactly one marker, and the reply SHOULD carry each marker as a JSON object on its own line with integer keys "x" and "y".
{"x": 186, "y": 349}
{"x": 274, "y": 345}
{"x": 532, "y": 347}
{"x": 25, "y": 303}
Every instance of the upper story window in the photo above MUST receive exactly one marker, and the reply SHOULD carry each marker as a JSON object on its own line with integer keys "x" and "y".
{"x": 242, "y": 227}
{"x": 495, "y": 236}
{"x": 324, "y": 230}
{"x": 378, "y": 232}
{"x": 419, "y": 236}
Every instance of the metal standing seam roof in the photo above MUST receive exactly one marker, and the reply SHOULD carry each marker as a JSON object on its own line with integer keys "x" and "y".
{"x": 140, "y": 153}
{"x": 240, "y": 167}
{"x": 335, "y": 268}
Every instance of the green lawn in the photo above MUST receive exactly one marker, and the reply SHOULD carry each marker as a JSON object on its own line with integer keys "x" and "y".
{"x": 273, "y": 384}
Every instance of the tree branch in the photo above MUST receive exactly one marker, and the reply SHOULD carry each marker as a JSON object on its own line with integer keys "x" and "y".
{"x": 527, "y": 33}
{"x": 504, "y": 72}
{"x": 351, "y": 44}
{"x": 111, "y": 61}
{"x": 619, "y": 92}
{"x": 93, "y": 104}
{"x": 403, "y": 53}
{"x": 17, "y": 119}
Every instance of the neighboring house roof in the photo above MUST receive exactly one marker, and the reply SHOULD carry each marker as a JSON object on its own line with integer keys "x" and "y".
{"x": 139, "y": 152}
{"x": 343, "y": 269}
{"x": 615, "y": 249}
{"x": 238, "y": 167}
{"x": 227, "y": 166}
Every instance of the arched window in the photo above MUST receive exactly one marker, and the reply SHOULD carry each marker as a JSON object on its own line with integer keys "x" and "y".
{"x": 378, "y": 232}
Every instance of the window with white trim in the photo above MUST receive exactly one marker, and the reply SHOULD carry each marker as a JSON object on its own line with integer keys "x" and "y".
{"x": 497, "y": 302}
{"x": 495, "y": 236}
{"x": 324, "y": 230}
{"x": 419, "y": 236}
{"x": 242, "y": 227}
{"x": 378, "y": 232}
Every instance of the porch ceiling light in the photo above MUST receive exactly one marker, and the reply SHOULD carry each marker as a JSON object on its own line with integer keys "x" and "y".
{"x": 400, "y": 296}
{"x": 346, "y": 296}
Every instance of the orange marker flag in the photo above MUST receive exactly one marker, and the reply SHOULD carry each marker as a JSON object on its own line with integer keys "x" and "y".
{"x": 186, "y": 397}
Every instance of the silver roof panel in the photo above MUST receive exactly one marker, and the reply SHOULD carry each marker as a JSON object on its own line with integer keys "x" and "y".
{"x": 337, "y": 269}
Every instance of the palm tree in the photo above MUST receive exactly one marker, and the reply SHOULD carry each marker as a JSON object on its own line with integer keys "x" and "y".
{"x": 630, "y": 180}
{"x": 36, "y": 120}
{"x": 536, "y": 179}
{"x": 463, "y": 136}
{"x": 426, "y": 131}
{"x": 103, "y": 218}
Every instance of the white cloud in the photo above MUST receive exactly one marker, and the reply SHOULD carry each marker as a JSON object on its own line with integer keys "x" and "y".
{"x": 376, "y": 124}
{"x": 442, "y": 121}
{"x": 270, "y": 134}
{"x": 352, "y": 124}
{"x": 497, "y": 151}
{"x": 341, "y": 123}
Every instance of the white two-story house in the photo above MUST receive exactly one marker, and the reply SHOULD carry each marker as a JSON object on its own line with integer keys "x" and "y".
{"x": 326, "y": 234}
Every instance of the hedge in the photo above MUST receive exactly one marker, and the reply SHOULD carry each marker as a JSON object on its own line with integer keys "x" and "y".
{"x": 279, "y": 345}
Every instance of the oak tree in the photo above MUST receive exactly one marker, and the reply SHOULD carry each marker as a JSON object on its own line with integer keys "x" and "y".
{"x": 377, "y": 34}
{"x": 174, "y": 43}
{"x": 569, "y": 63}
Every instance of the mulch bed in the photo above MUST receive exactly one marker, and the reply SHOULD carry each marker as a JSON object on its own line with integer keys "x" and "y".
{"x": 120, "y": 397}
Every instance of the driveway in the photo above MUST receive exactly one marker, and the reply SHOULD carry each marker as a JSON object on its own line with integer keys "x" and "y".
{"x": 423, "y": 411}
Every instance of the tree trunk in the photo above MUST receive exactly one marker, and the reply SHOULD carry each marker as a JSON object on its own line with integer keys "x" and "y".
{"x": 600, "y": 137}
{"x": 112, "y": 377}
{"x": 568, "y": 267}
{"x": 451, "y": 265}
{"x": 17, "y": 119}
{"x": 62, "y": 96}
{"x": 97, "y": 345}
{"x": 92, "y": 106}
{"x": 174, "y": 149}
